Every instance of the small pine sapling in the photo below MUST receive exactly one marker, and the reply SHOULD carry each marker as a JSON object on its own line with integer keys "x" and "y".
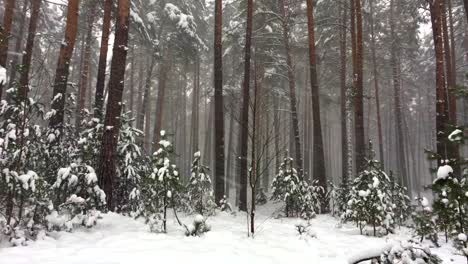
{"x": 199, "y": 188}
{"x": 425, "y": 225}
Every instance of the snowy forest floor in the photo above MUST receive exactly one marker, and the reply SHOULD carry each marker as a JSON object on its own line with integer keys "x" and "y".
{"x": 120, "y": 240}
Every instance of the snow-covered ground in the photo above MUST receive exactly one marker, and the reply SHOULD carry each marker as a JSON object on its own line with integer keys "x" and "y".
{"x": 119, "y": 239}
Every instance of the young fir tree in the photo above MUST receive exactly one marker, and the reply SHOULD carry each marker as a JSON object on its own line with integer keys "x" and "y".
{"x": 300, "y": 198}
{"x": 158, "y": 188}
{"x": 199, "y": 188}
{"x": 370, "y": 200}
{"x": 451, "y": 193}
{"x": 131, "y": 164}
{"x": 425, "y": 225}
{"x": 285, "y": 186}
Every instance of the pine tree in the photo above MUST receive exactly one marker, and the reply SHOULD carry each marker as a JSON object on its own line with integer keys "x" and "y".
{"x": 199, "y": 188}
{"x": 370, "y": 200}
{"x": 158, "y": 188}
{"x": 425, "y": 225}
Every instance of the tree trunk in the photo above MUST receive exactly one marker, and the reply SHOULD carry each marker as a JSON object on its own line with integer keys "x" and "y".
{"x": 86, "y": 63}
{"x": 244, "y": 122}
{"x": 63, "y": 66}
{"x": 376, "y": 85}
{"x": 218, "y": 102}
{"x": 107, "y": 170}
{"x": 359, "y": 91}
{"x": 318, "y": 154}
{"x": 344, "y": 100}
{"x": 102, "y": 64}
{"x": 441, "y": 106}
{"x": 292, "y": 88}
{"x": 28, "y": 52}
{"x": 195, "y": 105}
{"x": 163, "y": 70}
{"x": 401, "y": 157}
{"x": 19, "y": 41}
{"x": 5, "y": 31}
{"x": 146, "y": 107}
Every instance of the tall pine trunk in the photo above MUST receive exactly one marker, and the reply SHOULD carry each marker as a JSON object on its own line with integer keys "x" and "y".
{"x": 218, "y": 103}
{"x": 360, "y": 144}
{"x": 107, "y": 170}
{"x": 441, "y": 98}
{"x": 292, "y": 88}
{"x": 28, "y": 52}
{"x": 343, "y": 100}
{"x": 5, "y": 31}
{"x": 102, "y": 64}
{"x": 244, "y": 113}
{"x": 195, "y": 106}
{"x": 318, "y": 152}
{"x": 19, "y": 40}
{"x": 376, "y": 85}
{"x": 84, "y": 77}
{"x": 394, "y": 60}
{"x": 63, "y": 66}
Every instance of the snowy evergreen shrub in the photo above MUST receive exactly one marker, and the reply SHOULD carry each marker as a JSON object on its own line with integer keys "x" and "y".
{"x": 301, "y": 199}
{"x": 401, "y": 202}
{"x": 409, "y": 252}
{"x": 224, "y": 205}
{"x": 451, "y": 205}
{"x": 370, "y": 200}
{"x": 425, "y": 224}
{"x": 198, "y": 227}
{"x": 199, "y": 188}
{"x": 131, "y": 165}
{"x": 89, "y": 142}
{"x": 157, "y": 189}
{"x": 304, "y": 230}
{"x": 77, "y": 198}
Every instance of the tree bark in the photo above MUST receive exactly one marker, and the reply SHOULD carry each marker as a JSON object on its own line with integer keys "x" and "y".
{"x": 28, "y": 52}
{"x": 218, "y": 102}
{"x": 441, "y": 98}
{"x": 86, "y": 63}
{"x": 163, "y": 70}
{"x": 107, "y": 170}
{"x": 19, "y": 41}
{"x": 376, "y": 85}
{"x": 292, "y": 88}
{"x": 102, "y": 64}
{"x": 63, "y": 66}
{"x": 195, "y": 105}
{"x": 5, "y": 31}
{"x": 318, "y": 154}
{"x": 344, "y": 100}
{"x": 400, "y": 140}
{"x": 146, "y": 107}
{"x": 244, "y": 122}
{"x": 360, "y": 144}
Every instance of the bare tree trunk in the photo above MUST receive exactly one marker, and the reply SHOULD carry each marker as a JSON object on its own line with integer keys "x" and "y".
{"x": 107, "y": 170}
{"x": 244, "y": 122}
{"x": 292, "y": 88}
{"x": 163, "y": 70}
{"x": 19, "y": 41}
{"x": 84, "y": 77}
{"x": 28, "y": 52}
{"x": 146, "y": 107}
{"x": 360, "y": 144}
{"x": 62, "y": 72}
{"x": 195, "y": 105}
{"x": 376, "y": 85}
{"x": 101, "y": 75}
{"x": 441, "y": 98}
{"x": 344, "y": 100}
{"x": 5, "y": 35}
{"x": 132, "y": 84}
{"x": 319, "y": 157}
{"x": 401, "y": 157}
